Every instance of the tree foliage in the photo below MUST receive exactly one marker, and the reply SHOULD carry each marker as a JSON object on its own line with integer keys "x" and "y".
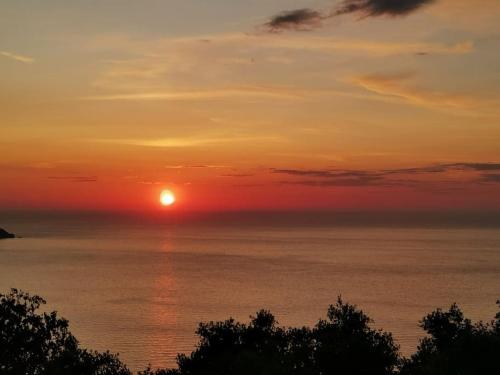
{"x": 456, "y": 346}
{"x": 342, "y": 344}
{"x": 34, "y": 343}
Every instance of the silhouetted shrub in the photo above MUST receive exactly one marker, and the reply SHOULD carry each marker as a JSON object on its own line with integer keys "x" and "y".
{"x": 456, "y": 346}
{"x": 233, "y": 348}
{"x": 343, "y": 344}
{"x": 33, "y": 343}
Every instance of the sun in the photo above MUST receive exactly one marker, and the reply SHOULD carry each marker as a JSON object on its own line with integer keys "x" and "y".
{"x": 167, "y": 198}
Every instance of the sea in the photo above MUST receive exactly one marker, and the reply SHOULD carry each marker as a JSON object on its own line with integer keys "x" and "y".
{"x": 138, "y": 284}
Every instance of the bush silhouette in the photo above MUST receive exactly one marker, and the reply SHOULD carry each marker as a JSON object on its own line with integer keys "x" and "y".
{"x": 343, "y": 344}
{"x": 229, "y": 347}
{"x": 456, "y": 346}
{"x": 35, "y": 343}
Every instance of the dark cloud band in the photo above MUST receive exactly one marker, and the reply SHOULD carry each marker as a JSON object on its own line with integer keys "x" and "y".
{"x": 307, "y": 19}
{"x": 374, "y": 8}
{"x": 295, "y": 19}
{"x": 387, "y": 177}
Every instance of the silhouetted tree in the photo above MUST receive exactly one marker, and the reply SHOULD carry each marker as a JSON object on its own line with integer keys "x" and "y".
{"x": 33, "y": 343}
{"x": 455, "y": 346}
{"x": 234, "y": 348}
{"x": 345, "y": 344}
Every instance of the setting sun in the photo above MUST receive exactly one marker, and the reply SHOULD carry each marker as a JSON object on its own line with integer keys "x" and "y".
{"x": 167, "y": 198}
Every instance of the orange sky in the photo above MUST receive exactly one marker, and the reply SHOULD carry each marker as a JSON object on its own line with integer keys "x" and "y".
{"x": 234, "y": 105}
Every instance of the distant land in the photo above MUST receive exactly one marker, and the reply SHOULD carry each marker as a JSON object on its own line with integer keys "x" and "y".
{"x": 5, "y": 234}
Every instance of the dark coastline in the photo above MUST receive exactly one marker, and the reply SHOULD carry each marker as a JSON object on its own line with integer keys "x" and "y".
{"x": 4, "y": 234}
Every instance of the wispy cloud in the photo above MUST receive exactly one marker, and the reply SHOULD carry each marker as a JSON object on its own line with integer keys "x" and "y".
{"x": 200, "y": 166}
{"x": 367, "y": 47}
{"x": 360, "y": 181}
{"x": 17, "y": 57}
{"x": 476, "y": 166}
{"x": 407, "y": 177}
{"x": 236, "y": 175}
{"x": 374, "y": 8}
{"x": 74, "y": 178}
{"x": 401, "y": 86}
{"x": 495, "y": 178}
{"x": 248, "y": 92}
{"x": 220, "y": 68}
{"x": 308, "y": 19}
{"x": 323, "y": 172}
{"x": 186, "y": 142}
{"x": 298, "y": 19}
{"x": 146, "y": 79}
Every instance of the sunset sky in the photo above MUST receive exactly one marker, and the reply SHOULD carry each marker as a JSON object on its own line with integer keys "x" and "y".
{"x": 256, "y": 104}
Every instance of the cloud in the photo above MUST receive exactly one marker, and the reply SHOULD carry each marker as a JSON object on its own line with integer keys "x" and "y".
{"x": 437, "y": 174}
{"x": 400, "y": 86}
{"x": 298, "y": 19}
{"x": 74, "y": 178}
{"x": 322, "y": 172}
{"x": 185, "y": 142}
{"x": 333, "y": 177}
{"x": 491, "y": 178}
{"x": 308, "y": 19}
{"x": 418, "y": 170}
{"x": 162, "y": 68}
{"x": 364, "y": 181}
{"x": 374, "y": 8}
{"x": 246, "y": 92}
{"x": 150, "y": 182}
{"x": 16, "y": 57}
{"x": 210, "y": 166}
{"x": 237, "y": 175}
{"x": 442, "y": 168}
{"x": 196, "y": 166}
{"x": 366, "y": 47}
{"x": 477, "y": 166}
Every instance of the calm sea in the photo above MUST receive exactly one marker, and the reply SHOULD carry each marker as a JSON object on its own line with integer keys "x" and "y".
{"x": 139, "y": 285}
